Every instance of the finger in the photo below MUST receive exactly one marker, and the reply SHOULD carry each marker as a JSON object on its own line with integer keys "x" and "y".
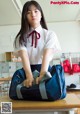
{"x": 24, "y": 83}
{"x": 37, "y": 81}
{"x": 27, "y": 83}
{"x": 30, "y": 84}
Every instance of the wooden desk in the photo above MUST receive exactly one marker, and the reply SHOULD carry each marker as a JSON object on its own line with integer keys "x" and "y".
{"x": 65, "y": 106}
{"x": 5, "y": 79}
{"x": 77, "y": 93}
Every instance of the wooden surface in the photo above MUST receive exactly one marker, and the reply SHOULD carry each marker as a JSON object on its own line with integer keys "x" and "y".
{"x": 5, "y": 79}
{"x": 77, "y": 93}
{"x": 71, "y": 101}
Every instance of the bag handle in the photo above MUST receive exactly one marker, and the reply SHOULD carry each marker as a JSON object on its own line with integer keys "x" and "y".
{"x": 42, "y": 87}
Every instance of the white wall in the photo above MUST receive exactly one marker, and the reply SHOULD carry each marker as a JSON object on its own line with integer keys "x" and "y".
{"x": 68, "y": 34}
{"x": 7, "y": 36}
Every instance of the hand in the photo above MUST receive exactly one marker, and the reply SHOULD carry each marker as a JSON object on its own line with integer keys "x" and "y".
{"x": 38, "y": 79}
{"x": 28, "y": 82}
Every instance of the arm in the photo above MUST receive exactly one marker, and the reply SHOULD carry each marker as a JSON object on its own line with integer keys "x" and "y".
{"x": 26, "y": 65}
{"x": 47, "y": 54}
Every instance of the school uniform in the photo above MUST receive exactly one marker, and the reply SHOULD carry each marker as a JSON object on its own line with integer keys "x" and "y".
{"x": 36, "y": 41}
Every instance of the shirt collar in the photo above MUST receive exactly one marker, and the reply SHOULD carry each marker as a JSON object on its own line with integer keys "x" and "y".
{"x": 38, "y": 29}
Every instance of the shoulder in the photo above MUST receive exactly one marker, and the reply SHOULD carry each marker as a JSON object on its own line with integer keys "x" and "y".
{"x": 49, "y": 33}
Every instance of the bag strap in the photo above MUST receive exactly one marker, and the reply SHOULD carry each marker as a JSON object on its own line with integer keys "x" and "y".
{"x": 42, "y": 86}
{"x": 18, "y": 91}
{"x": 42, "y": 89}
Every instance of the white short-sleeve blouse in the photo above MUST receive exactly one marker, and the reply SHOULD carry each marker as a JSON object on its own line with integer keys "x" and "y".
{"x": 48, "y": 40}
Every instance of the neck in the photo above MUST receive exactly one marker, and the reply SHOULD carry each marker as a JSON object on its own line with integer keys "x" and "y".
{"x": 35, "y": 26}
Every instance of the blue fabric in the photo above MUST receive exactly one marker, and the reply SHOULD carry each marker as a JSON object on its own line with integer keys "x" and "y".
{"x": 59, "y": 92}
{"x": 55, "y": 86}
{"x": 38, "y": 67}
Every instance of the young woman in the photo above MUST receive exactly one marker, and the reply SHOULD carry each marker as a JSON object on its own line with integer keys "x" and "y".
{"x": 35, "y": 44}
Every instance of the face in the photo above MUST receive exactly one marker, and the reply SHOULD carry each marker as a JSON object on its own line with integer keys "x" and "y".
{"x": 34, "y": 16}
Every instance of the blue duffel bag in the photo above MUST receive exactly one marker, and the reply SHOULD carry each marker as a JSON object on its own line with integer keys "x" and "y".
{"x": 52, "y": 87}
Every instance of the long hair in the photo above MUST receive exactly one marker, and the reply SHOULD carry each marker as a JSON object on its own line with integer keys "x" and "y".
{"x": 24, "y": 22}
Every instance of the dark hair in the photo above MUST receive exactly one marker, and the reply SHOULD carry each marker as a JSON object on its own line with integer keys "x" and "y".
{"x": 24, "y": 22}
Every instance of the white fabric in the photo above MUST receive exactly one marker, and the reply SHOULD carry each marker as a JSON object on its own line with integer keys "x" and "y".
{"x": 48, "y": 40}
